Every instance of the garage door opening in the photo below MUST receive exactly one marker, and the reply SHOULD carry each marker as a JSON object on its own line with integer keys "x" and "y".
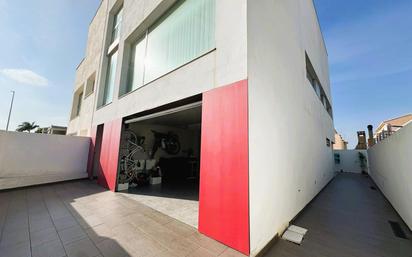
{"x": 160, "y": 161}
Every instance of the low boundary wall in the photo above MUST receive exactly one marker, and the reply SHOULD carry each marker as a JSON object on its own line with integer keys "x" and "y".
{"x": 30, "y": 159}
{"x": 391, "y": 169}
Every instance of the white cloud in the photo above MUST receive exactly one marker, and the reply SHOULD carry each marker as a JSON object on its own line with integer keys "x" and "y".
{"x": 25, "y": 77}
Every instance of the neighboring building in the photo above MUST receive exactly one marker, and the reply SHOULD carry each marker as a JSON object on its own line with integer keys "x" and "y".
{"x": 362, "y": 145}
{"x": 388, "y": 127}
{"x": 55, "y": 130}
{"x": 340, "y": 143}
{"x": 245, "y": 86}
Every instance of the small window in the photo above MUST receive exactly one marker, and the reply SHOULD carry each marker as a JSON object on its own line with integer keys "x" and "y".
{"x": 327, "y": 142}
{"x": 90, "y": 84}
{"x": 117, "y": 24}
{"x": 79, "y": 104}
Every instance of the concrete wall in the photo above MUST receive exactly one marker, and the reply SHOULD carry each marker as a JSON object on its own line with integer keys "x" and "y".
{"x": 31, "y": 159}
{"x": 288, "y": 126}
{"x": 225, "y": 65}
{"x": 391, "y": 169}
{"x": 349, "y": 161}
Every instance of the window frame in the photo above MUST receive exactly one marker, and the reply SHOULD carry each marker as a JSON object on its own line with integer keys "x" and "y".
{"x": 145, "y": 36}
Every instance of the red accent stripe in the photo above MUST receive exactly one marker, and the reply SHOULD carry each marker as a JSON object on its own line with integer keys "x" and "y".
{"x": 109, "y": 156}
{"x": 224, "y": 173}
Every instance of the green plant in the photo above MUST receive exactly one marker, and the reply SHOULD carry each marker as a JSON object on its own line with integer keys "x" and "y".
{"x": 363, "y": 162}
{"x": 27, "y": 126}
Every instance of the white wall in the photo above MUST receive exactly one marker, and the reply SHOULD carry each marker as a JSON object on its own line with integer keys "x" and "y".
{"x": 288, "y": 126}
{"x": 349, "y": 161}
{"x": 391, "y": 169}
{"x": 30, "y": 159}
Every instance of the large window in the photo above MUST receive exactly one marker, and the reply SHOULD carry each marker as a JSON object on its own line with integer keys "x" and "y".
{"x": 110, "y": 79}
{"x": 136, "y": 67}
{"x": 184, "y": 33}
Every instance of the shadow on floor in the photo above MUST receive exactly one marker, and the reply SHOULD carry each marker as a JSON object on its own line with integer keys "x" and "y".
{"x": 82, "y": 219}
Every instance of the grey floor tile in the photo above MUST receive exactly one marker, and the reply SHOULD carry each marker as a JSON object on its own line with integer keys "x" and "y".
{"x": 43, "y": 236}
{"x": 14, "y": 237}
{"x": 17, "y": 250}
{"x": 65, "y": 222}
{"x": 82, "y": 248}
{"x": 99, "y": 233}
{"x": 12, "y": 225}
{"x": 49, "y": 249}
{"x": 40, "y": 224}
{"x": 111, "y": 248}
{"x": 72, "y": 234}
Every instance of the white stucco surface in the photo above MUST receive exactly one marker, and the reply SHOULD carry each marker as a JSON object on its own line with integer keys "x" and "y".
{"x": 349, "y": 161}
{"x": 391, "y": 169}
{"x": 31, "y": 159}
{"x": 289, "y": 161}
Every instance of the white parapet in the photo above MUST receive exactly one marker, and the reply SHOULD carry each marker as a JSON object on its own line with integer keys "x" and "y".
{"x": 30, "y": 159}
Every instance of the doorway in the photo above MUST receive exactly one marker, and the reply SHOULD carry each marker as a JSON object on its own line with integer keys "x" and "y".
{"x": 167, "y": 161}
{"x": 97, "y": 151}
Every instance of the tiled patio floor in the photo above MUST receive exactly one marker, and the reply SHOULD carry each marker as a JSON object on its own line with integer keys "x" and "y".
{"x": 82, "y": 219}
{"x": 348, "y": 219}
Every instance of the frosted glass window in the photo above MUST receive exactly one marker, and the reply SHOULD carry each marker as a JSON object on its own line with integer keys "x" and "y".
{"x": 110, "y": 79}
{"x": 136, "y": 67}
{"x": 184, "y": 33}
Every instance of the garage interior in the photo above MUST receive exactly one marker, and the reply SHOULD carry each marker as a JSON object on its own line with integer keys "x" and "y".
{"x": 166, "y": 162}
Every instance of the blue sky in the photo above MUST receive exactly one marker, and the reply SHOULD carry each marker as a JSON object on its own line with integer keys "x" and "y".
{"x": 41, "y": 44}
{"x": 369, "y": 44}
{"x": 370, "y": 55}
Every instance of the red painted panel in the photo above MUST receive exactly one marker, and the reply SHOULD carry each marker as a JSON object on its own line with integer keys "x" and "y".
{"x": 224, "y": 173}
{"x": 91, "y": 151}
{"x": 109, "y": 155}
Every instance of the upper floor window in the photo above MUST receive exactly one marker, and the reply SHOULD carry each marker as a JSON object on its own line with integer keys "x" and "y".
{"x": 317, "y": 87}
{"x": 106, "y": 95}
{"x": 90, "y": 84}
{"x": 117, "y": 24}
{"x": 79, "y": 104}
{"x": 110, "y": 79}
{"x": 182, "y": 34}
